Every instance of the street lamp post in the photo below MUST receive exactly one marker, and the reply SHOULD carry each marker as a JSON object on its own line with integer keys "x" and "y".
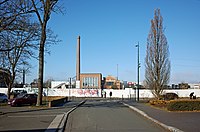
{"x": 117, "y": 72}
{"x": 138, "y": 70}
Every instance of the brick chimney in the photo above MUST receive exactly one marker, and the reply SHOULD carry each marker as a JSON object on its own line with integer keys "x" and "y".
{"x": 78, "y": 59}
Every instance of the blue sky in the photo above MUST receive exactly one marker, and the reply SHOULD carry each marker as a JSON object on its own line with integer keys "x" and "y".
{"x": 109, "y": 31}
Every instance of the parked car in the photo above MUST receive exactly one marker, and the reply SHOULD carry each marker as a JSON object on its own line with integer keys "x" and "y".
{"x": 170, "y": 96}
{"x": 3, "y": 98}
{"x": 18, "y": 92}
{"x": 24, "y": 99}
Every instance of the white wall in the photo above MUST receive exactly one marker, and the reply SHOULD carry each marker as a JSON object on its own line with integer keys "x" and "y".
{"x": 127, "y": 93}
{"x": 74, "y": 92}
{"x": 4, "y": 90}
{"x": 144, "y": 93}
{"x": 184, "y": 92}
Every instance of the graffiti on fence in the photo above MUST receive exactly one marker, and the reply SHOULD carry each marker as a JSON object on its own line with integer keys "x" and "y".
{"x": 85, "y": 92}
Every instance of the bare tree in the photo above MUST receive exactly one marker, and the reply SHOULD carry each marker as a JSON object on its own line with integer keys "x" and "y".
{"x": 43, "y": 10}
{"x": 18, "y": 36}
{"x": 11, "y": 17}
{"x": 157, "y": 63}
{"x": 22, "y": 43}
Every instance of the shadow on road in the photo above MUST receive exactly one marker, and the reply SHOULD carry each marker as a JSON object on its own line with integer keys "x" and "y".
{"x": 104, "y": 103}
{"x": 33, "y": 130}
{"x": 24, "y": 109}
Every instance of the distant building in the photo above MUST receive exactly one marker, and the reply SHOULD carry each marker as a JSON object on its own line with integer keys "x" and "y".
{"x": 34, "y": 84}
{"x": 63, "y": 84}
{"x": 180, "y": 86}
{"x": 131, "y": 85}
{"x": 175, "y": 86}
{"x": 112, "y": 83}
{"x": 184, "y": 85}
{"x": 56, "y": 84}
{"x": 195, "y": 86}
{"x": 90, "y": 80}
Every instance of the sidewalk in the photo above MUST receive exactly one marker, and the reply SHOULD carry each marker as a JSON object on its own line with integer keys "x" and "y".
{"x": 178, "y": 121}
{"x": 30, "y": 118}
{"x": 8, "y": 109}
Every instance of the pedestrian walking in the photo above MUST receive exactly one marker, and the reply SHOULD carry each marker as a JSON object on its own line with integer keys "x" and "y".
{"x": 110, "y": 94}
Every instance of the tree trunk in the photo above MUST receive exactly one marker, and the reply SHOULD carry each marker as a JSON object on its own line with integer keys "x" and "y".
{"x": 10, "y": 82}
{"x": 9, "y": 89}
{"x": 40, "y": 77}
{"x": 41, "y": 68}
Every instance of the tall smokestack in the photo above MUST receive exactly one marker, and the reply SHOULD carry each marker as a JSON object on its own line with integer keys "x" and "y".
{"x": 78, "y": 59}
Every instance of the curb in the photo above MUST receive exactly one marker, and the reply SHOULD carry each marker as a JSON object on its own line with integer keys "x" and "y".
{"x": 62, "y": 125}
{"x": 170, "y": 128}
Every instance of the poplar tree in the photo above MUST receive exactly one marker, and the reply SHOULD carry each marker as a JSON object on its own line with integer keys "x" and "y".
{"x": 157, "y": 63}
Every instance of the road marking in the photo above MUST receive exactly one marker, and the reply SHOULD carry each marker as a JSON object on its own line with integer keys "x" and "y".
{"x": 55, "y": 123}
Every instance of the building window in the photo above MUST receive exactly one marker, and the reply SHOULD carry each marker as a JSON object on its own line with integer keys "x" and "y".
{"x": 86, "y": 82}
{"x": 109, "y": 83}
{"x": 96, "y": 82}
{"x": 90, "y": 82}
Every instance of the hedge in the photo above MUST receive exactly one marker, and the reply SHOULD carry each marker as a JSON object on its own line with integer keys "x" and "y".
{"x": 187, "y": 105}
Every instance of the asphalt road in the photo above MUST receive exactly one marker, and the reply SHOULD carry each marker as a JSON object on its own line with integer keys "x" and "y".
{"x": 108, "y": 116}
{"x": 32, "y": 119}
